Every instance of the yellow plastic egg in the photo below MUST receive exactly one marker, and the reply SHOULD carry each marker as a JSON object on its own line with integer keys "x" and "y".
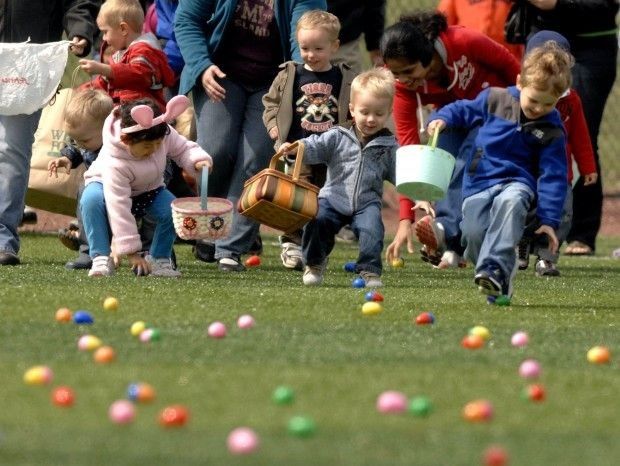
{"x": 480, "y": 331}
{"x": 137, "y": 328}
{"x": 398, "y": 263}
{"x": 38, "y": 375}
{"x": 110, "y": 304}
{"x": 371, "y": 308}
{"x": 599, "y": 355}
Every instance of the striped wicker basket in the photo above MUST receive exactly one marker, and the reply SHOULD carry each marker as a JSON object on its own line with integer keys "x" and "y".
{"x": 202, "y": 217}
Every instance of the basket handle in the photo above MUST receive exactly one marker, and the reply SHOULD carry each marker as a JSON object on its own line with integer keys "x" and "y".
{"x": 433, "y": 141}
{"x": 204, "y": 187}
{"x": 298, "y": 159}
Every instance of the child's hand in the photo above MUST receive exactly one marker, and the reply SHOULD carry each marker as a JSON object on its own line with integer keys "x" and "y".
{"x": 590, "y": 178}
{"x": 554, "y": 244}
{"x": 93, "y": 67}
{"x": 139, "y": 264}
{"x": 404, "y": 234}
{"x": 274, "y": 133}
{"x": 203, "y": 164}
{"x": 54, "y": 165}
{"x": 426, "y": 207}
{"x": 285, "y": 148}
{"x": 435, "y": 125}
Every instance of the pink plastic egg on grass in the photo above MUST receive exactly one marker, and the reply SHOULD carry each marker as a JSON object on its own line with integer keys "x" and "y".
{"x": 520, "y": 339}
{"x": 217, "y": 330}
{"x": 245, "y": 321}
{"x": 242, "y": 441}
{"x": 122, "y": 412}
{"x": 529, "y": 369}
{"x": 391, "y": 402}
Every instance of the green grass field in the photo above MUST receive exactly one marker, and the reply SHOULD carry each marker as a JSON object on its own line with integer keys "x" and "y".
{"x": 317, "y": 341}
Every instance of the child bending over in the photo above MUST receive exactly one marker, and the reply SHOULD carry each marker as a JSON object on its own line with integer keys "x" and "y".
{"x": 519, "y": 158}
{"x": 127, "y": 181}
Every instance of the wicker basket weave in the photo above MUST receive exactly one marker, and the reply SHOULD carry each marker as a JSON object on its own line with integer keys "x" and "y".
{"x": 202, "y": 217}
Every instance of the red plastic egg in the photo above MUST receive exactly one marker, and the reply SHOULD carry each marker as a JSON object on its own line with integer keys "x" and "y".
{"x": 63, "y": 396}
{"x": 252, "y": 261}
{"x": 174, "y": 416}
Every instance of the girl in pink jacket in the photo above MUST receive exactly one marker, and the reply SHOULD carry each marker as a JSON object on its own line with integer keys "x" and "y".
{"x": 127, "y": 182}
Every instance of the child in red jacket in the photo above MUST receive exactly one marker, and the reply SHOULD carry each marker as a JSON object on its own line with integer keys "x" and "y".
{"x": 137, "y": 68}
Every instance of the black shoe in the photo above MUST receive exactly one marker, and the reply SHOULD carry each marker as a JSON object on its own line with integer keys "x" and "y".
{"x": 523, "y": 254}
{"x": 83, "y": 262}
{"x": 228, "y": 264}
{"x": 204, "y": 251}
{"x": 257, "y": 247}
{"x": 490, "y": 282}
{"x": 8, "y": 258}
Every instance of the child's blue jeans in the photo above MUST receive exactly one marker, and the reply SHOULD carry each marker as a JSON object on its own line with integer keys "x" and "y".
{"x": 318, "y": 238}
{"x": 493, "y": 223}
{"x": 96, "y": 225}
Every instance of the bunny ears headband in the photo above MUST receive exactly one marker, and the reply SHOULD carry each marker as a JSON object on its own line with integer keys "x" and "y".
{"x": 143, "y": 114}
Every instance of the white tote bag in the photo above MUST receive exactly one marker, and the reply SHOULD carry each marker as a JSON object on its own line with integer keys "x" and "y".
{"x": 30, "y": 74}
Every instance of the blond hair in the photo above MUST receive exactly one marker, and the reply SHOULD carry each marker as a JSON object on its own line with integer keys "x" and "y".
{"x": 88, "y": 106}
{"x": 114, "y": 12}
{"x": 319, "y": 19}
{"x": 377, "y": 81}
{"x": 547, "y": 68}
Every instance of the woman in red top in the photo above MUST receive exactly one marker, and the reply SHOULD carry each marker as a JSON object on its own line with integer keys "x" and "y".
{"x": 436, "y": 64}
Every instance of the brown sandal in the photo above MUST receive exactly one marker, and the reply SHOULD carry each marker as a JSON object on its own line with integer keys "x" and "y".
{"x": 577, "y": 248}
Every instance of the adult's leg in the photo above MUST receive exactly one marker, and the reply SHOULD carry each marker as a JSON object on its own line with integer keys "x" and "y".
{"x": 95, "y": 219}
{"x": 368, "y": 227}
{"x": 16, "y": 138}
{"x": 594, "y": 74}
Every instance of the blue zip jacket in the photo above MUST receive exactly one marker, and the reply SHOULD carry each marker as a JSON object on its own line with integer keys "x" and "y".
{"x": 510, "y": 148}
{"x": 166, "y": 11}
{"x": 200, "y": 25}
{"x": 355, "y": 175}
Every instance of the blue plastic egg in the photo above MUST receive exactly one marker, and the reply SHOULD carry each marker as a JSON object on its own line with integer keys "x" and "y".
{"x": 350, "y": 267}
{"x": 83, "y": 318}
{"x": 358, "y": 283}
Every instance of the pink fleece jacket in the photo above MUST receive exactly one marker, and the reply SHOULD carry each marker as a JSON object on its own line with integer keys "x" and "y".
{"x": 124, "y": 176}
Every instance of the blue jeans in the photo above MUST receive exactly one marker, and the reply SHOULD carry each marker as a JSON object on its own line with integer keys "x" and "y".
{"x": 459, "y": 143}
{"x": 493, "y": 223}
{"x": 233, "y": 133}
{"x": 16, "y": 138}
{"x": 319, "y": 235}
{"x": 96, "y": 225}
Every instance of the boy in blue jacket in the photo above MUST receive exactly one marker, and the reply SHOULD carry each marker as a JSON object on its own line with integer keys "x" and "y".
{"x": 519, "y": 158}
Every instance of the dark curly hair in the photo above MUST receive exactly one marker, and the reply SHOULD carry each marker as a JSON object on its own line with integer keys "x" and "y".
{"x": 151, "y": 134}
{"x": 413, "y": 36}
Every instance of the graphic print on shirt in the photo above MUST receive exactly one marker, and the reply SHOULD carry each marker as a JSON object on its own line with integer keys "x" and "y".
{"x": 465, "y": 71}
{"x": 317, "y": 107}
{"x": 255, "y": 16}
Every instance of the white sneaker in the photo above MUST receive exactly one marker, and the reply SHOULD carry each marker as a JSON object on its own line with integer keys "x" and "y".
{"x": 103, "y": 266}
{"x": 313, "y": 274}
{"x": 162, "y": 267}
{"x": 291, "y": 256}
{"x": 371, "y": 279}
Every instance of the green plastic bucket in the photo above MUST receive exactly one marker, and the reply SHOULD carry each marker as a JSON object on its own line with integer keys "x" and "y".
{"x": 423, "y": 172}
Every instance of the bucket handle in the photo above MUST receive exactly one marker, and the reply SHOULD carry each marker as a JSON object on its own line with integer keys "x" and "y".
{"x": 204, "y": 187}
{"x": 299, "y": 159}
{"x": 433, "y": 142}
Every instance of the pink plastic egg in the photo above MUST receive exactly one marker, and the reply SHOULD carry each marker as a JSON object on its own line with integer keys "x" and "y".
{"x": 217, "y": 330}
{"x": 121, "y": 412}
{"x": 242, "y": 441}
{"x": 245, "y": 321}
{"x": 529, "y": 369}
{"x": 520, "y": 339}
{"x": 391, "y": 402}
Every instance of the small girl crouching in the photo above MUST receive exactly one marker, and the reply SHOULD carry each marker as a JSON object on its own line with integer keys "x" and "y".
{"x": 127, "y": 182}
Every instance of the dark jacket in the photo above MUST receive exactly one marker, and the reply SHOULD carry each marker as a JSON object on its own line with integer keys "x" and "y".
{"x": 509, "y": 149}
{"x": 44, "y": 20}
{"x": 359, "y": 17}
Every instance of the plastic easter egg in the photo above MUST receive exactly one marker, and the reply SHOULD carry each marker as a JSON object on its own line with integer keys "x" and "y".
{"x": 252, "y": 261}
{"x": 529, "y": 369}
{"x": 89, "y": 343}
{"x": 472, "y": 342}
{"x": 358, "y": 283}
{"x": 83, "y": 318}
{"x": 502, "y": 300}
{"x": 283, "y": 395}
{"x": 110, "y": 304}
{"x": 242, "y": 441}
{"x": 137, "y": 328}
{"x": 478, "y": 411}
{"x": 173, "y": 416}
{"x": 146, "y": 335}
{"x": 391, "y": 402}
{"x": 350, "y": 267}
{"x": 104, "y": 355}
{"x": 121, "y": 412}
{"x": 63, "y": 396}
{"x": 534, "y": 392}
{"x": 599, "y": 355}
{"x": 425, "y": 318}
{"x": 38, "y": 375}
{"x": 245, "y": 321}
{"x": 398, "y": 263}
{"x": 481, "y": 331}
{"x": 495, "y": 456}
{"x": 63, "y": 315}
{"x": 420, "y": 406}
{"x": 519, "y": 339}
{"x": 301, "y": 426}
{"x": 374, "y": 295}
{"x": 371, "y": 308}
{"x": 141, "y": 392}
{"x": 217, "y": 330}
